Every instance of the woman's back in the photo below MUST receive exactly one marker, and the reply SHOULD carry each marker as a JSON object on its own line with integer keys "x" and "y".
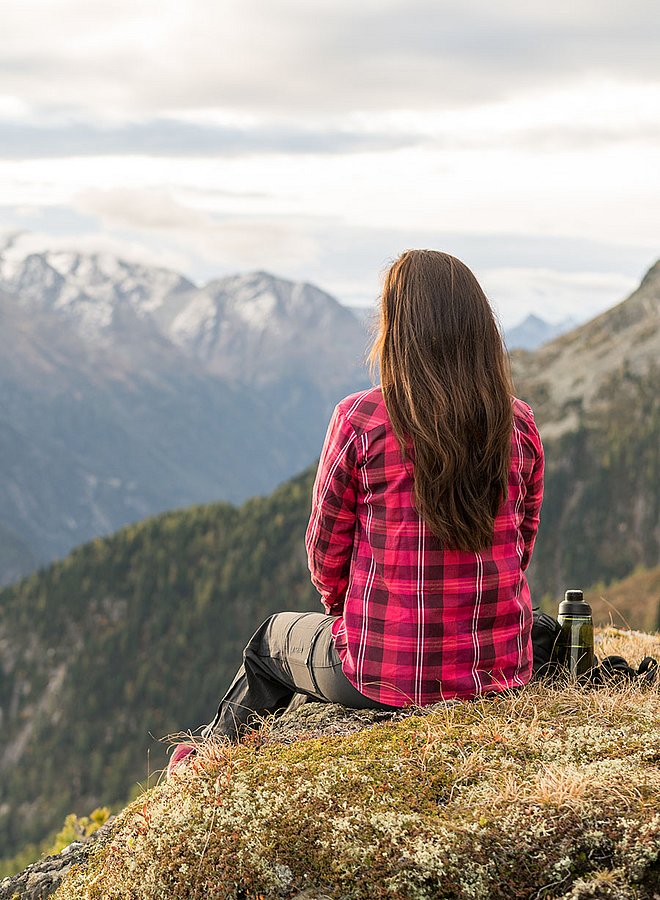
{"x": 419, "y": 622}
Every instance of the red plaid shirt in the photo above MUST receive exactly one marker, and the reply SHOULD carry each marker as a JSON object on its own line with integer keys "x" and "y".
{"x": 417, "y": 622}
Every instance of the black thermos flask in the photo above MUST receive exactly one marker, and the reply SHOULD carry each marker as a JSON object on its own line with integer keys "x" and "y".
{"x": 574, "y": 649}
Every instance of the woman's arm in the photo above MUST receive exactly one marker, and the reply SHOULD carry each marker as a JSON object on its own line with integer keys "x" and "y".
{"x": 534, "y": 495}
{"x": 329, "y": 537}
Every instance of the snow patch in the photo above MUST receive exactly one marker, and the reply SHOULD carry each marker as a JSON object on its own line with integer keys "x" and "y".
{"x": 257, "y": 311}
{"x": 196, "y": 320}
{"x": 104, "y": 276}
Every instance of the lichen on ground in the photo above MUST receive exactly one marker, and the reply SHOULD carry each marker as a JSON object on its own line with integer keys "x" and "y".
{"x": 550, "y": 793}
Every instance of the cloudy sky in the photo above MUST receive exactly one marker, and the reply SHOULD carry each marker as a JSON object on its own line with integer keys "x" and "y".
{"x": 319, "y": 139}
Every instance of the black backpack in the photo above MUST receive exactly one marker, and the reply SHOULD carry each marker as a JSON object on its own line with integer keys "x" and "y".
{"x": 545, "y": 631}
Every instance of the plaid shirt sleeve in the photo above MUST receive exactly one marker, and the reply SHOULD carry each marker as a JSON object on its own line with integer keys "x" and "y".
{"x": 330, "y": 533}
{"x": 534, "y": 494}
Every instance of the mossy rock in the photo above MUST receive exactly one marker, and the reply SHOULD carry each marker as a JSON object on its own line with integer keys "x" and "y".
{"x": 549, "y": 793}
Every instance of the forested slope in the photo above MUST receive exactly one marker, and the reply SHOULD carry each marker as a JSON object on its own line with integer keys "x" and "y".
{"x": 128, "y": 639}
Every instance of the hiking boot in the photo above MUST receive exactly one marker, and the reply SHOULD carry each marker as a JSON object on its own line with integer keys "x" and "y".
{"x": 181, "y": 754}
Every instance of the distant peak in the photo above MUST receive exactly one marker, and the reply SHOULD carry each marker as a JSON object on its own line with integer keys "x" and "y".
{"x": 258, "y": 278}
{"x": 8, "y": 239}
{"x": 652, "y": 277}
{"x": 262, "y": 275}
{"x": 532, "y": 319}
{"x": 105, "y": 265}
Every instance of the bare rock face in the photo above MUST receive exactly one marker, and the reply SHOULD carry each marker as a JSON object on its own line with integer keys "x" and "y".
{"x": 43, "y": 877}
{"x": 572, "y": 374}
{"x": 312, "y": 720}
{"x": 595, "y": 393}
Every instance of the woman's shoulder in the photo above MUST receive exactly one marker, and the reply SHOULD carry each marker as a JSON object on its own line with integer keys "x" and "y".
{"x": 524, "y": 420}
{"x": 364, "y": 409}
{"x": 522, "y": 410}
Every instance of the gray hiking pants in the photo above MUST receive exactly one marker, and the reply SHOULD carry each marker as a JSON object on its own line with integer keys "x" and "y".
{"x": 289, "y": 654}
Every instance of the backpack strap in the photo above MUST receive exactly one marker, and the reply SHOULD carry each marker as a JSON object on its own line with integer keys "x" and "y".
{"x": 648, "y": 670}
{"x": 616, "y": 668}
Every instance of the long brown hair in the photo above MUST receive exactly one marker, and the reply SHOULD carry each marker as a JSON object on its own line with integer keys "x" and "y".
{"x": 447, "y": 386}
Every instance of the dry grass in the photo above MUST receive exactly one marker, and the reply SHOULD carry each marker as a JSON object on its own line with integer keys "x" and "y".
{"x": 633, "y": 645}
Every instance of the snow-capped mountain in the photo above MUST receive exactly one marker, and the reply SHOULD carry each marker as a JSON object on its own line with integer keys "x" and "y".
{"x": 126, "y": 390}
{"x": 260, "y": 329}
{"x": 91, "y": 290}
{"x": 256, "y": 329}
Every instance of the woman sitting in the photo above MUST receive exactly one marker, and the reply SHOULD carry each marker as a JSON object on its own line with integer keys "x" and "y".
{"x": 425, "y": 510}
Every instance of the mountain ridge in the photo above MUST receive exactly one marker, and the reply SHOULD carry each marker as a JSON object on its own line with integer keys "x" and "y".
{"x": 533, "y": 331}
{"x": 596, "y": 397}
{"x": 108, "y": 417}
{"x": 573, "y": 366}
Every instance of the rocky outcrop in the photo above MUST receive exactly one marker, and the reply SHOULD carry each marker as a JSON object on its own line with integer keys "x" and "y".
{"x": 572, "y": 374}
{"x": 306, "y": 720}
{"x": 309, "y": 720}
{"x": 595, "y": 395}
{"x": 452, "y": 754}
{"x": 547, "y": 791}
{"x": 43, "y": 877}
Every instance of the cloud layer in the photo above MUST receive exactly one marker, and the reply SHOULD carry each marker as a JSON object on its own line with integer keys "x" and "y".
{"x": 292, "y": 56}
{"x": 318, "y": 140}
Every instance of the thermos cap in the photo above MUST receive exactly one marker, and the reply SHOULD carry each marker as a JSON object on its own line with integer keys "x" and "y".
{"x": 574, "y": 604}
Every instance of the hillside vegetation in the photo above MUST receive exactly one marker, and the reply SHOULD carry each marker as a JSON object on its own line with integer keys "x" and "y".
{"x": 633, "y": 602}
{"x": 601, "y": 508}
{"x": 549, "y": 793}
{"x": 128, "y": 639}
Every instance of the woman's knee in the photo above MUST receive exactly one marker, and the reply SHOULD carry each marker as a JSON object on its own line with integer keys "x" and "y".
{"x": 273, "y": 633}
